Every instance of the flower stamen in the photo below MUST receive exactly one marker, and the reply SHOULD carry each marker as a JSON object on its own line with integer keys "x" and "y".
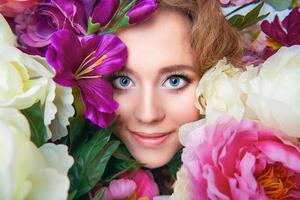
{"x": 277, "y": 182}
{"x": 80, "y": 74}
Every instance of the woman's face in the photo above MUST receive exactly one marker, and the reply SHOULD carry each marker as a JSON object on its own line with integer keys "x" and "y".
{"x": 155, "y": 90}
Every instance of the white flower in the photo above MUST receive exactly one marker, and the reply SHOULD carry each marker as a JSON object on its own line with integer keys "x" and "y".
{"x": 187, "y": 129}
{"x": 274, "y": 95}
{"x": 6, "y": 35}
{"x": 27, "y": 172}
{"x": 218, "y": 92}
{"x": 25, "y": 80}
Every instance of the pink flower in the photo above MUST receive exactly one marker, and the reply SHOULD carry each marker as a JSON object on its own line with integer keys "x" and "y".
{"x": 11, "y": 8}
{"x": 135, "y": 185}
{"x": 239, "y": 160}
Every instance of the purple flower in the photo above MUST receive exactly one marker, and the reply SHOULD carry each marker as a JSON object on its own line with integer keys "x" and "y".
{"x": 285, "y": 33}
{"x": 104, "y": 10}
{"x": 83, "y": 63}
{"x": 74, "y": 11}
{"x": 35, "y": 27}
{"x": 141, "y": 11}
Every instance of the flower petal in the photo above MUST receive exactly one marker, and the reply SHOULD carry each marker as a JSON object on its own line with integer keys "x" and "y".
{"x": 106, "y": 45}
{"x": 104, "y": 10}
{"x": 64, "y": 54}
{"x": 97, "y": 95}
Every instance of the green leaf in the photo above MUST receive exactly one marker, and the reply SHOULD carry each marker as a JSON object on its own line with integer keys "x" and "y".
{"x": 251, "y": 18}
{"x": 76, "y": 134}
{"x": 279, "y": 4}
{"x": 91, "y": 158}
{"x": 175, "y": 164}
{"x": 38, "y": 129}
{"x": 99, "y": 195}
{"x": 92, "y": 27}
{"x": 120, "y": 162}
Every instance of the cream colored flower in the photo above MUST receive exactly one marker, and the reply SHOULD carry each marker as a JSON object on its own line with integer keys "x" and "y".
{"x": 6, "y": 35}
{"x": 218, "y": 92}
{"x": 25, "y": 80}
{"x": 274, "y": 95}
{"x": 188, "y": 128}
{"x": 27, "y": 172}
{"x": 182, "y": 186}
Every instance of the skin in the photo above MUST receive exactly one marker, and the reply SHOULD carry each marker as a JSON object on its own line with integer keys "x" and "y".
{"x": 156, "y": 88}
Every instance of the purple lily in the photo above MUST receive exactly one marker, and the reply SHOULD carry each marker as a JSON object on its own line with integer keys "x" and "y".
{"x": 83, "y": 63}
{"x": 282, "y": 34}
{"x": 141, "y": 11}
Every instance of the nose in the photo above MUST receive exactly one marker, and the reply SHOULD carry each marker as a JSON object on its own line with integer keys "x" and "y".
{"x": 150, "y": 108}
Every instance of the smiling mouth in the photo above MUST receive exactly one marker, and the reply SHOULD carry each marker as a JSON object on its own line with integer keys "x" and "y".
{"x": 150, "y": 140}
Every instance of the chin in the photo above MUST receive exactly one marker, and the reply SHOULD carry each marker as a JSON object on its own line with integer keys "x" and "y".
{"x": 154, "y": 158}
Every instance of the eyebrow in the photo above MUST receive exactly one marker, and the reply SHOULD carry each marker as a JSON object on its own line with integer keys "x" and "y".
{"x": 172, "y": 68}
{"x": 168, "y": 69}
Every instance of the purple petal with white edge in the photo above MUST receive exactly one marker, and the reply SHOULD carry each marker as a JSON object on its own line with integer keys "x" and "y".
{"x": 65, "y": 55}
{"x": 104, "y": 11}
{"x": 74, "y": 11}
{"x": 97, "y": 95}
{"x": 274, "y": 30}
{"x": 110, "y": 46}
{"x": 141, "y": 11}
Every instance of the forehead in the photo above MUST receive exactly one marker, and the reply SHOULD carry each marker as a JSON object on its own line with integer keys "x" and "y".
{"x": 163, "y": 40}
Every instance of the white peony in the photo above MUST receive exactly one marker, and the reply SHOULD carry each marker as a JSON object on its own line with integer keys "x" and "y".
{"x": 25, "y": 80}
{"x": 27, "y": 172}
{"x": 218, "y": 92}
{"x": 274, "y": 95}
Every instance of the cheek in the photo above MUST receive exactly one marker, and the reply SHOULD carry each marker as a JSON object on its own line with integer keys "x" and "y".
{"x": 180, "y": 106}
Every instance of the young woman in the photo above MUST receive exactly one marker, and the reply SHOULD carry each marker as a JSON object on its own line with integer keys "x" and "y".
{"x": 166, "y": 57}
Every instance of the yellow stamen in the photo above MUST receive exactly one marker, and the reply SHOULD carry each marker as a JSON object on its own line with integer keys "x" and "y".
{"x": 85, "y": 61}
{"x": 80, "y": 74}
{"x": 277, "y": 182}
{"x": 88, "y": 77}
{"x": 273, "y": 44}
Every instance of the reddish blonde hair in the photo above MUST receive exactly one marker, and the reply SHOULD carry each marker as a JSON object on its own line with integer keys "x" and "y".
{"x": 212, "y": 37}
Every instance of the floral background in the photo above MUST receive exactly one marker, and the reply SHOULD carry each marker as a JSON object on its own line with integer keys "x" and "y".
{"x": 57, "y": 110}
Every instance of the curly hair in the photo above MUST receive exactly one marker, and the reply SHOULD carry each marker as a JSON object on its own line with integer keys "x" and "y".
{"x": 212, "y": 37}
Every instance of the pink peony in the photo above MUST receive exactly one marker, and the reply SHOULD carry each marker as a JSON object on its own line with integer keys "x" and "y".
{"x": 238, "y": 160}
{"x": 11, "y": 8}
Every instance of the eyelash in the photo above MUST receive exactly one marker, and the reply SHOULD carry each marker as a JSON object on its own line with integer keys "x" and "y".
{"x": 173, "y": 74}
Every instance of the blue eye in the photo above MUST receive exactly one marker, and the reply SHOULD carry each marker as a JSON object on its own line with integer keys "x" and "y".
{"x": 175, "y": 82}
{"x": 122, "y": 82}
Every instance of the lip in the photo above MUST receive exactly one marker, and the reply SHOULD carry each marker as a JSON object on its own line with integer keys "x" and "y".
{"x": 150, "y": 139}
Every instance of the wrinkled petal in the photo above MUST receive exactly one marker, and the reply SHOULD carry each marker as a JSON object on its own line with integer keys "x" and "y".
{"x": 75, "y": 12}
{"x": 57, "y": 157}
{"x": 63, "y": 102}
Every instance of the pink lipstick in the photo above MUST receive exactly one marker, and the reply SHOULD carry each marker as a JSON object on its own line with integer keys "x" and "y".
{"x": 150, "y": 140}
